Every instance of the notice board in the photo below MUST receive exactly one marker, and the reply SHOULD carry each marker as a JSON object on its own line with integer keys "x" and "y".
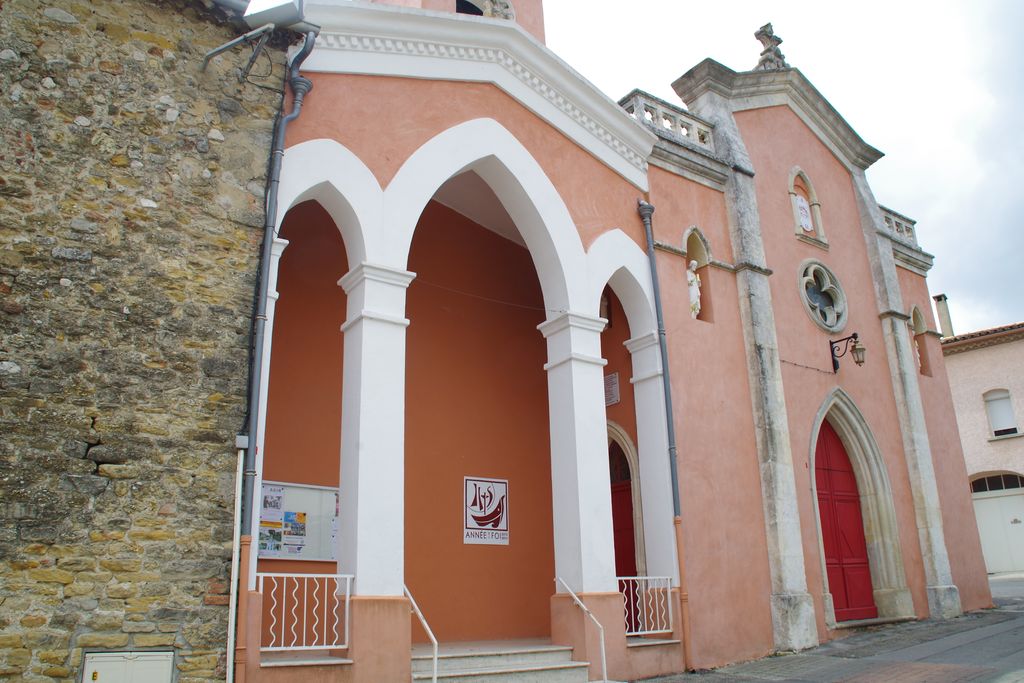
{"x": 298, "y": 521}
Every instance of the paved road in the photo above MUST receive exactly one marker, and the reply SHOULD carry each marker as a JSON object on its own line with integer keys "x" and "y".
{"x": 984, "y": 647}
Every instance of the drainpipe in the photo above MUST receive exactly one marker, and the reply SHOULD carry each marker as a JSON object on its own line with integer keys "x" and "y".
{"x": 246, "y": 441}
{"x": 646, "y": 210}
{"x": 300, "y": 86}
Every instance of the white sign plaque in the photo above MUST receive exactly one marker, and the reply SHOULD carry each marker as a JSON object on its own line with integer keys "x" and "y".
{"x": 485, "y": 511}
{"x": 611, "y": 389}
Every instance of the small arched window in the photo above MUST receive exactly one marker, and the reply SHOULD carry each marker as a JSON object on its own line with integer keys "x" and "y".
{"x": 697, "y": 250}
{"x": 919, "y": 331}
{"x": 806, "y": 209}
{"x": 999, "y": 409}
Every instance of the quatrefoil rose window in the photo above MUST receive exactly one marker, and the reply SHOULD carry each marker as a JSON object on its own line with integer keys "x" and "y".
{"x": 823, "y": 296}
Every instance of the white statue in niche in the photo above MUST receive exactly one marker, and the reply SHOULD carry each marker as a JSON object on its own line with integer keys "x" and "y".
{"x": 693, "y": 285}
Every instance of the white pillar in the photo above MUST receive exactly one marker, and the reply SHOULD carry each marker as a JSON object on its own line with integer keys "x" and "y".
{"x": 652, "y": 446}
{"x": 580, "y": 482}
{"x": 277, "y": 248}
{"x": 371, "y": 538}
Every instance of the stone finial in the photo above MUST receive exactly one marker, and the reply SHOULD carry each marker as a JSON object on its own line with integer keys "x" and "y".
{"x": 771, "y": 56}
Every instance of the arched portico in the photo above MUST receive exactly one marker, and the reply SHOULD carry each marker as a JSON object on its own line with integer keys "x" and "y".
{"x": 377, "y": 227}
{"x": 888, "y": 578}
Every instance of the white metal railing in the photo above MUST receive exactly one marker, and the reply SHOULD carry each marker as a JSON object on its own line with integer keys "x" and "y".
{"x": 600, "y": 629}
{"x": 648, "y": 604}
{"x": 304, "y": 611}
{"x": 426, "y": 627}
{"x": 668, "y": 118}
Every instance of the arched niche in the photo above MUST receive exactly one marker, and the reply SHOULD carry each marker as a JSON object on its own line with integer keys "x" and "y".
{"x": 806, "y": 209}
{"x": 919, "y": 331}
{"x": 881, "y": 531}
{"x": 698, "y": 249}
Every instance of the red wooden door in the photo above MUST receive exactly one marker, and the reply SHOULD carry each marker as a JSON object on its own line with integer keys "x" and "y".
{"x": 622, "y": 525}
{"x": 842, "y": 530}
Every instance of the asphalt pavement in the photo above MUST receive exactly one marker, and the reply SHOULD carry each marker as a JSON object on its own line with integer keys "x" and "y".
{"x": 985, "y": 646}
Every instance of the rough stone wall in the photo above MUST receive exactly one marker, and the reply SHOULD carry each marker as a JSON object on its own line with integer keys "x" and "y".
{"x": 131, "y": 194}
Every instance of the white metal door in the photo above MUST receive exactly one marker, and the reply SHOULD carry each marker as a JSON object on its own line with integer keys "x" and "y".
{"x": 1000, "y": 516}
{"x": 128, "y": 667}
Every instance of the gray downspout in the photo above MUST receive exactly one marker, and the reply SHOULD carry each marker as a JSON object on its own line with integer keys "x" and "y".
{"x": 300, "y": 86}
{"x": 646, "y": 210}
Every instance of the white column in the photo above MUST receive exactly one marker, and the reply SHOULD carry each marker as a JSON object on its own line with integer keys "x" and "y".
{"x": 277, "y": 248}
{"x": 652, "y": 446}
{"x": 580, "y": 482}
{"x": 371, "y": 535}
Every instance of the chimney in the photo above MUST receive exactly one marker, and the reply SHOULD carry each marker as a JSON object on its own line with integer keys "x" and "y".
{"x": 942, "y": 308}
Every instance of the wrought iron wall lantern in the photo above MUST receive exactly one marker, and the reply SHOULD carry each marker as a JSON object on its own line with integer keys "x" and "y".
{"x": 852, "y": 344}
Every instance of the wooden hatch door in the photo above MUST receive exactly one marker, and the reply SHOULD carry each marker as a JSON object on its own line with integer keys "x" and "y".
{"x": 842, "y": 530}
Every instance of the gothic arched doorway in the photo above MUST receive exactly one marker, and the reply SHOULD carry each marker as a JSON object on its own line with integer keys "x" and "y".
{"x": 842, "y": 530}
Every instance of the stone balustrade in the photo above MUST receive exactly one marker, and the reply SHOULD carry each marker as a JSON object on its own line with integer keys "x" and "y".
{"x": 668, "y": 120}
{"x": 900, "y": 225}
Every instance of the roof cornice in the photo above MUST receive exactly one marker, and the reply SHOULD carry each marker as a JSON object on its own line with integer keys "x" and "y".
{"x": 982, "y": 338}
{"x": 759, "y": 89}
{"x": 385, "y": 40}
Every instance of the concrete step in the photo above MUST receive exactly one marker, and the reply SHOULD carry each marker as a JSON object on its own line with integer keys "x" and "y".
{"x": 302, "y": 658}
{"x": 499, "y": 662}
{"x": 472, "y": 657}
{"x": 570, "y": 672}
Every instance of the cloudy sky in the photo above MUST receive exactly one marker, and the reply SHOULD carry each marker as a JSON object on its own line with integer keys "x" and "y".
{"x": 937, "y": 86}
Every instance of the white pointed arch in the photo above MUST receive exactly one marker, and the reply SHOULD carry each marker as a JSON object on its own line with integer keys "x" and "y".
{"x": 527, "y": 194}
{"x": 617, "y": 261}
{"x": 328, "y": 172}
{"x": 881, "y": 532}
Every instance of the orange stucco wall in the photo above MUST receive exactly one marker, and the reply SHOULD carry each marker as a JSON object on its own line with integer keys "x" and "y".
{"x": 961, "y": 529}
{"x": 476, "y": 405}
{"x": 777, "y": 140}
{"x": 722, "y": 516}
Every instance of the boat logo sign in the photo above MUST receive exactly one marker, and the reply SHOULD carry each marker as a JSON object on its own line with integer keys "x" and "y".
{"x": 485, "y": 511}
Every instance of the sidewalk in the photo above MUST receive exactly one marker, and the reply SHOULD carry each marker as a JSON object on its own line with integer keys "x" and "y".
{"x": 982, "y": 646}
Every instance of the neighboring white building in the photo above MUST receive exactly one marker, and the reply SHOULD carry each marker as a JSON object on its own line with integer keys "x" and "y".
{"x": 986, "y": 374}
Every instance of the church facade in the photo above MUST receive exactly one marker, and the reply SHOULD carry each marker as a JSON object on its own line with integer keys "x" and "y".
{"x": 648, "y": 381}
